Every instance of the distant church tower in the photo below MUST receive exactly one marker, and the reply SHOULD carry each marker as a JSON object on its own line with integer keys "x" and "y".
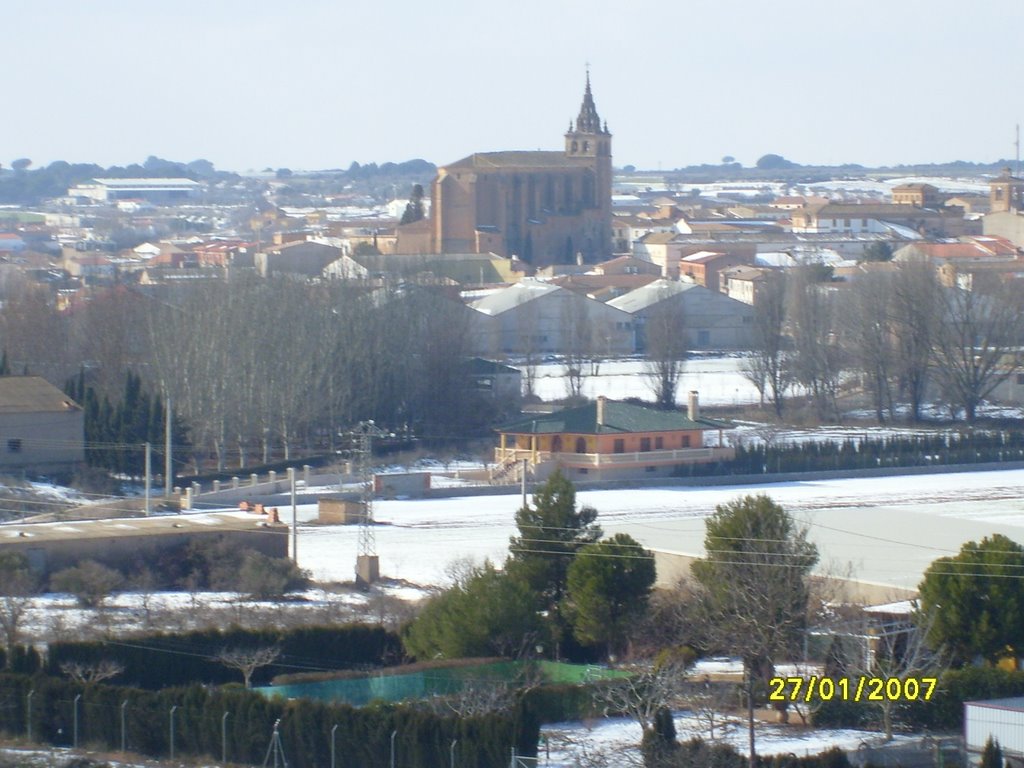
{"x": 588, "y": 138}
{"x": 1006, "y": 193}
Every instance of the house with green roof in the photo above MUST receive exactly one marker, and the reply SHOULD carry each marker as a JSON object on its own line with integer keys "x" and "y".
{"x": 609, "y": 439}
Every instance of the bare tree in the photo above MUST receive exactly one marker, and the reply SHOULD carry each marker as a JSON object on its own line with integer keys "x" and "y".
{"x": 977, "y": 346}
{"x": 640, "y": 696}
{"x": 665, "y": 348}
{"x": 767, "y": 367}
{"x": 816, "y": 355}
{"x": 90, "y": 673}
{"x": 17, "y": 586}
{"x": 914, "y": 316}
{"x": 891, "y": 649}
{"x": 868, "y": 334}
{"x": 577, "y": 334}
{"x": 248, "y": 660}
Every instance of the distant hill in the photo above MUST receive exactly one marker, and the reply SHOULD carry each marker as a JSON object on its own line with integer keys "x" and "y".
{"x": 774, "y": 170}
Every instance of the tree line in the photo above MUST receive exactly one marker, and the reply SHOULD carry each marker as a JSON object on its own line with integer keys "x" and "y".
{"x": 896, "y": 333}
{"x": 254, "y": 368}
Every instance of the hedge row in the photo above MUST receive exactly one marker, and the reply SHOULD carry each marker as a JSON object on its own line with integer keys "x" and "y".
{"x": 163, "y": 660}
{"x": 696, "y": 753}
{"x": 896, "y": 451}
{"x": 362, "y": 737}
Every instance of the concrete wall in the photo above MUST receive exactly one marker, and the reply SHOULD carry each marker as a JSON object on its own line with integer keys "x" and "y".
{"x": 45, "y": 441}
{"x": 46, "y": 556}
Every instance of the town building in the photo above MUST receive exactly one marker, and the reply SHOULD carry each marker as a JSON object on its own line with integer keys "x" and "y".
{"x": 150, "y": 190}
{"x": 708, "y": 319}
{"x": 535, "y": 318}
{"x": 1006, "y": 204}
{"x": 921, "y": 195}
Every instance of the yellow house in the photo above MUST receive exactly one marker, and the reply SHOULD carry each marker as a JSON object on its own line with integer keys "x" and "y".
{"x": 608, "y": 439}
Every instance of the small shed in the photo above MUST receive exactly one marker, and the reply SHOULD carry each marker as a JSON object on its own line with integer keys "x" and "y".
{"x": 340, "y": 512}
{"x": 1000, "y": 719}
{"x": 394, "y": 484}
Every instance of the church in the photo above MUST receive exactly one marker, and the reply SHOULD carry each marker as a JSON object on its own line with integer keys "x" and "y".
{"x": 543, "y": 207}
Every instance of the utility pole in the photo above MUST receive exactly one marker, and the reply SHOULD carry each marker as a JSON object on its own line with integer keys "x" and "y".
{"x": 367, "y": 561}
{"x": 149, "y": 477}
{"x": 295, "y": 524}
{"x": 168, "y": 471}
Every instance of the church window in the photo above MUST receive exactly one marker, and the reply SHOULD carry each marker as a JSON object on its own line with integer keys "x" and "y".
{"x": 586, "y": 146}
{"x": 575, "y": 146}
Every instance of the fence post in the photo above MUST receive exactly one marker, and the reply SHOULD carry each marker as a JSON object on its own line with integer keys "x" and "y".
{"x": 172, "y": 730}
{"x": 75, "y": 739}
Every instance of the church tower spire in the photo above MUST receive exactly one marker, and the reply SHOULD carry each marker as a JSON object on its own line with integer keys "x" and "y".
{"x": 586, "y": 137}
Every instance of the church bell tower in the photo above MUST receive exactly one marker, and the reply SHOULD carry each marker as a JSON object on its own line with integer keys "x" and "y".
{"x": 588, "y": 139}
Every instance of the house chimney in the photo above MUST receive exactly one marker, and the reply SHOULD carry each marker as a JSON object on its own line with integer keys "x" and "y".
{"x": 600, "y": 410}
{"x": 693, "y": 411}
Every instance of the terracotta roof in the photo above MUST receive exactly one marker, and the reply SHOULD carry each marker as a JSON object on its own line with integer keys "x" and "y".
{"x": 519, "y": 159}
{"x": 619, "y": 418}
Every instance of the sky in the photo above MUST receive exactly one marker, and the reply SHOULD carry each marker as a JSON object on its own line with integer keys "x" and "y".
{"x": 312, "y": 84}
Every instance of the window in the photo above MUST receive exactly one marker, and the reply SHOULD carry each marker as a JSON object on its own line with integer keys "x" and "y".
{"x": 620, "y": 445}
{"x": 659, "y": 443}
{"x": 703, "y": 338}
{"x": 14, "y": 445}
{"x": 645, "y": 443}
{"x": 1020, "y": 379}
{"x": 582, "y": 470}
{"x": 581, "y": 445}
{"x": 686, "y": 441}
{"x": 648, "y": 469}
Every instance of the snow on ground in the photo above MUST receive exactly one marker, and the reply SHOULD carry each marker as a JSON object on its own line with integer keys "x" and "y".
{"x": 417, "y": 539}
{"x": 716, "y": 378}
{"x": 570, "y": 744}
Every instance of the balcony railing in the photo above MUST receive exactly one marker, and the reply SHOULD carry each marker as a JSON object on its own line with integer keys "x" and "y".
{"x": 636, "y": 458}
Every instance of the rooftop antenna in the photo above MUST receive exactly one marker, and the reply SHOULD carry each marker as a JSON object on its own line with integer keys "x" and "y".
{"x": 1017, "y": 145}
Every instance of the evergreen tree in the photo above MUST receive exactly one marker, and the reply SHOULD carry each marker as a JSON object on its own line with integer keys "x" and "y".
{"x": 755, "y": 590}
{"x": 991, "y": 754}
{"x": 487, "y": 613}
{"x": 551, "y": 532}
{"x": 414, "y": 210}
{"x": 974, "y": 602}
{"x": 608, "y": 585}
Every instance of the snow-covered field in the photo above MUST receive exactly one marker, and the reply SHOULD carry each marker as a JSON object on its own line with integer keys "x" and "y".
{"x": 418, "y": 539}
{"x": 717, "y": 379}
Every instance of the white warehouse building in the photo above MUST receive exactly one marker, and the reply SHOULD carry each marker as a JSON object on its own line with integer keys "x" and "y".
{"x": 1000, "y": 719}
